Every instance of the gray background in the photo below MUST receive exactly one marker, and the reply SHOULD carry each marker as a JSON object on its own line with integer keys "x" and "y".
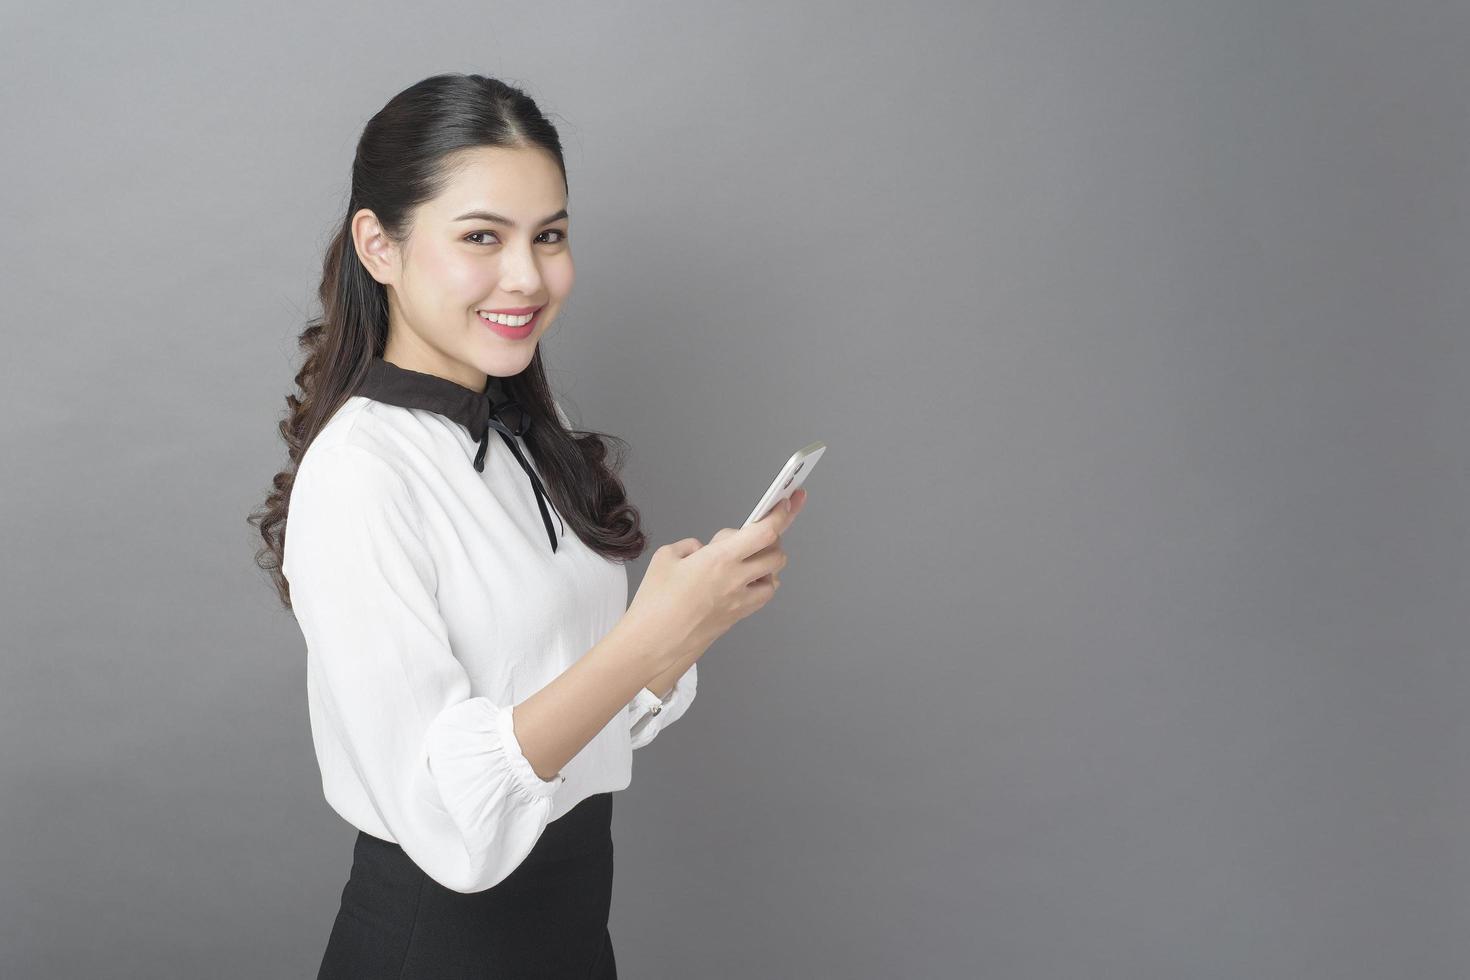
{"x": 1123, "y": 635}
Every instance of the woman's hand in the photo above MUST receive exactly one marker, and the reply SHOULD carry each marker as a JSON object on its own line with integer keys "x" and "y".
{"x": 798, "y": 501}
{"x": 693, "y": 593}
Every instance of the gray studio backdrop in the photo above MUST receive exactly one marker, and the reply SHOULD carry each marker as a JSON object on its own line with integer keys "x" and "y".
{"x": 1124, "y": 634}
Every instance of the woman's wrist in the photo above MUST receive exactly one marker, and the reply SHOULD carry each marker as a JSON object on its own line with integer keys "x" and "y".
{"x": 641, "y": 653}
{"x": 663, "y": 684}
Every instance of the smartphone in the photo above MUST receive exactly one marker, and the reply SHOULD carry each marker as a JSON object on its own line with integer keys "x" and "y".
{"x": 791, "y": 477}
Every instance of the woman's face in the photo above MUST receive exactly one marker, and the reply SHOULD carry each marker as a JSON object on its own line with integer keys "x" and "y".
{"x": 494, "y": 239}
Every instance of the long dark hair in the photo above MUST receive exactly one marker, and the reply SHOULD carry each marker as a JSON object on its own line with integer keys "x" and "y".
{"x": 400, "y": 164}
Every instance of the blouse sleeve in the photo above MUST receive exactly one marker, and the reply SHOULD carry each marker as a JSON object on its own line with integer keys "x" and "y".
{"x": 647, "y": 715}
{"x": 442, "y": 769}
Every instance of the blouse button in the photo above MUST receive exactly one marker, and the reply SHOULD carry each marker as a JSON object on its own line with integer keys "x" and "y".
{"x": 656, "y": 709}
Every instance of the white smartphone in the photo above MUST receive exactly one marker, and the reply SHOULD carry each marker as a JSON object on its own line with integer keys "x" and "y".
{"x": 791, "y": 477}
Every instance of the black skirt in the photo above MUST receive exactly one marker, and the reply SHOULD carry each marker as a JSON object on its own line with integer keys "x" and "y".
{"x": 548, "y": 918}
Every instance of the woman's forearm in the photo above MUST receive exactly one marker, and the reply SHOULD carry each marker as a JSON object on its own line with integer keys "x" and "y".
{"x": 664, "y": 683}
{"x": 556, "y": 722}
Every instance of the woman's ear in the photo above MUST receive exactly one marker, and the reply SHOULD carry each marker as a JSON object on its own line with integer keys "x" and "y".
{"x": 375, "y": 251}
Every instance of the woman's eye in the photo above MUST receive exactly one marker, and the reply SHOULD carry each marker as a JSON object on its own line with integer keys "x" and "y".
{"x": 549, "y": 231}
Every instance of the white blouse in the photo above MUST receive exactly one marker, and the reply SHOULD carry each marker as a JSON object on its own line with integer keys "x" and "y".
{"x": 431, "y": 604}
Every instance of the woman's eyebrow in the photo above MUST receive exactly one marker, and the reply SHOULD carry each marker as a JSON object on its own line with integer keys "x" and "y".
{"x": 501, "y": 219}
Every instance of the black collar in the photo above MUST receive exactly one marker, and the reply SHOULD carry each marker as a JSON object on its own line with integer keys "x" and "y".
{"x": 477, "y": 411}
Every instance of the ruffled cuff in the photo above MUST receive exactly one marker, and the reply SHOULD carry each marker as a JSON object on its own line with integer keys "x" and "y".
{"x": 649, "y": 715}
{"x": 475, "y": 768}
{"x": 479, "y": 766}
{"x": 647, "y": 701}
{"x": 525, "y": 773}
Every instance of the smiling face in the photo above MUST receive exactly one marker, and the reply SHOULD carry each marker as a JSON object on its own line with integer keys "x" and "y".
{"x": 511, "y": 253}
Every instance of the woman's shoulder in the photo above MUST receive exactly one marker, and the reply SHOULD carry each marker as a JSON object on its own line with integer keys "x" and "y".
{"x": 349, "y": 487}
{"x": 392, "y": 433}
{"x": 362, "y": 442}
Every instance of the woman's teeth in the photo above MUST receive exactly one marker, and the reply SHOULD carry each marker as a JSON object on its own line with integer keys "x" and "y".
{"x": 509, "y": 321}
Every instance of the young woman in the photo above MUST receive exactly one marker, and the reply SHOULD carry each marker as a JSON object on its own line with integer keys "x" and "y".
{"x": 476, "y": 678}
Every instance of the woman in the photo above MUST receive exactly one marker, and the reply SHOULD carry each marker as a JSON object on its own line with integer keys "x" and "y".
{"x": 476, "y": 679}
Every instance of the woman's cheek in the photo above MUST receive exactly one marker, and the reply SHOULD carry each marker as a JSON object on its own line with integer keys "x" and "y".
{"x": 453, "y": 273}
{"x": 560, "y": 277}
{"x": 472, "y": 280}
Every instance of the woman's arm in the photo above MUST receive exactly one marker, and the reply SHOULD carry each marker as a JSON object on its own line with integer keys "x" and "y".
{"x": 393, "y": 709}
{"x": 554, "y": 724}
{"x": 664, "y": 683}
